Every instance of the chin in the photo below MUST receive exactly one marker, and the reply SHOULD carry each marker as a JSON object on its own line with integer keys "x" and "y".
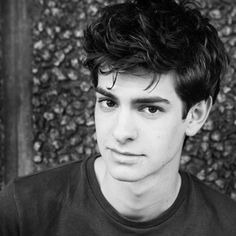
{"x": 125, "y": 176}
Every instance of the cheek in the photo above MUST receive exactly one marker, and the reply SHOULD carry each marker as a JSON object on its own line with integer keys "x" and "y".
{"x": 176, "y": 138}
{"x": 164, "y": 136}
{"x": 99, "y": 124}
{"x": 102, "y": 125}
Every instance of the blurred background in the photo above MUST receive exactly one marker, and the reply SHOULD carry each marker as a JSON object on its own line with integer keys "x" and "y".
{"x": 46, "y": 97}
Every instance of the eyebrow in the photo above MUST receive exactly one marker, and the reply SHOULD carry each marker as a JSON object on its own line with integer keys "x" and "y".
{"x": 105, "y": 93}
{"x": 136, "y": 100}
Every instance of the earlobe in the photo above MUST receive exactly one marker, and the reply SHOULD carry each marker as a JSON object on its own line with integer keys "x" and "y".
{"x": 197, "y": 116}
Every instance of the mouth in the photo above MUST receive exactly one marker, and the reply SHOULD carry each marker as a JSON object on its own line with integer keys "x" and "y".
{"x": 126, "y": 158}
{"x": 125, "y": 153}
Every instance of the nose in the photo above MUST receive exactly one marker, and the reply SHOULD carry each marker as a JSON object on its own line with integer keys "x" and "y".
{"x": 124, "y": 129}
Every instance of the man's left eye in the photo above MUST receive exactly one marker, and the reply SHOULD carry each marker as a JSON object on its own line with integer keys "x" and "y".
{"x": 151, "y": 109}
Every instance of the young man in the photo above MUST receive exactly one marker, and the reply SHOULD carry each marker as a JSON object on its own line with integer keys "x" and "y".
{"x": 156, "y": 69}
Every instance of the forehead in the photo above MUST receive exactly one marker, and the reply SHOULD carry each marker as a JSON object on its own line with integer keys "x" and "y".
{"x": 139, "y": 83}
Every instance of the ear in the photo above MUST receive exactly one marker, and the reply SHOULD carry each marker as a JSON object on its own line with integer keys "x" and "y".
{"x": 197, "y": 116}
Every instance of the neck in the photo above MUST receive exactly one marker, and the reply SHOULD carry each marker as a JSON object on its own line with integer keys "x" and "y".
{"x": 139, "y": 201}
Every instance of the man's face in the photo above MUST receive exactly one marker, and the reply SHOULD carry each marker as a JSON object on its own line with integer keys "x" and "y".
{"x": 140, "y": 131}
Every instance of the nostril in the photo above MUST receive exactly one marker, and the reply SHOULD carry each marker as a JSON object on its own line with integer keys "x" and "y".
{"x": 123, "y": 134}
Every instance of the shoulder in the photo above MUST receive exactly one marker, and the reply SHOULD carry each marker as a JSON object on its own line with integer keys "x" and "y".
{"x": 214, "y": 205}
{"x": 8, "y": 212}
{"x": 42, "y": 195}
{"x": 209, "y": 193}
{"x": 52, "y": 186}
{"x": 50, "y": 181}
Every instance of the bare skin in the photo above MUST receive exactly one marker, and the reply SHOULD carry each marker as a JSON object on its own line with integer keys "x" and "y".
{"x": 140, "y": 135}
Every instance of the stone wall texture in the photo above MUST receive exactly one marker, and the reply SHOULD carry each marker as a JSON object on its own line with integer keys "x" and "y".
{"x": 63, "y": 98}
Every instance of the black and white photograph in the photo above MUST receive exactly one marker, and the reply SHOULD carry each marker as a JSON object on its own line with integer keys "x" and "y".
{"x": 118, "y": 118}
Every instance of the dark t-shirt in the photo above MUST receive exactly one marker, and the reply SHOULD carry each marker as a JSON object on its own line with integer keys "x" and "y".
{"x": 67, "y": 201}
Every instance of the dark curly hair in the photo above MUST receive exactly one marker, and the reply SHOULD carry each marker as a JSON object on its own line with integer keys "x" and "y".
{"x": 159, "y": 36}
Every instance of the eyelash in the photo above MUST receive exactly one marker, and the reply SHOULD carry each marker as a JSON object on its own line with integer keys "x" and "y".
{"x": 104, "y": 105}
{"x": 156, "y": 109}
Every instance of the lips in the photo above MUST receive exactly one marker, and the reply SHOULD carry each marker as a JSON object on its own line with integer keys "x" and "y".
{"x": 125, "y": 158}
{"x": 124, "y": 153}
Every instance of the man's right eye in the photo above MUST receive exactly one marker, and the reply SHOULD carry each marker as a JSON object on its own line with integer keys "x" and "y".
{"x": 109, "y": 103}
{"x": 106, "y": 103}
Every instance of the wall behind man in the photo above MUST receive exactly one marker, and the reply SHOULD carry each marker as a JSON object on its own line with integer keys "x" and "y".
{"x": 63, "y": 98}
{"x": 1, "y": 97}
